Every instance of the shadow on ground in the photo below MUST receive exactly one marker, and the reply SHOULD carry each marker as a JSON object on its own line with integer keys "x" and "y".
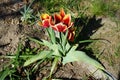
{"x": 119, "y": 76}
{"x": 6, "y": 8}
{"x": 88, "y": 27}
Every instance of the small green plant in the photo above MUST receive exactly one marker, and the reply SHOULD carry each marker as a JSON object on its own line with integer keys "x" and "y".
{"x": 27, "y": 14}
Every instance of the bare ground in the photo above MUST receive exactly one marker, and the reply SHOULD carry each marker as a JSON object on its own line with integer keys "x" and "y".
{"x": 108, "y": 51}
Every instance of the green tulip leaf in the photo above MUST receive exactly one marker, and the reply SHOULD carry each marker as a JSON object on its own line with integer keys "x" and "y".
{"x": 51, "y": 34}
{"x": 55, "y": 48}
{"x": 81, "y": 56}
{"x": 41, "y": 55}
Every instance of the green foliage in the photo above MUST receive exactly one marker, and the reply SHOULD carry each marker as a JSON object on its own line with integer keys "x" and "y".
{"x": 60, "y": 50}
{"x": 26, "y": 14}
{"x": 11, "y": 68}
{"x": 71, "y": 6}
{"x": 51, "y": 5}
{"x": 39, "y": 56}
{"x": 81, "y": 57}
{"x": 101, "y": 7}
{"x": 98, "y": 7}
{"x": 6, "y": 72}
{"x": 16, "y": 62}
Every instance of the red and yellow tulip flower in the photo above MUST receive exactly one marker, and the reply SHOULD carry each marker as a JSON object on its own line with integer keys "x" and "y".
{"x": 63, "y": 20}
{"x": 46, "y": 20}
{"x": 59, "y": 22}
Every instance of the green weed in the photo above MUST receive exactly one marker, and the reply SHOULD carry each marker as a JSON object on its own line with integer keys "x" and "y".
{"x": 12, "y": 70}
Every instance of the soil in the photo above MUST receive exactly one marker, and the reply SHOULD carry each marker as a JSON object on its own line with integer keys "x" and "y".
{"x": 108, "y": 50}
{"x": 12, "y": 31}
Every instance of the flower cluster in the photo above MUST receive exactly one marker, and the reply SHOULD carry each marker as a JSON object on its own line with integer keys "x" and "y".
{"x": 59, "y": 22}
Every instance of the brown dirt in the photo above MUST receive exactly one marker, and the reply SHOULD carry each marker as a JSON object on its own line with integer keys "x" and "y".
{"x": 109, "y": 51}
{"x": 12, "y": 32}
{"x": 9, "y": 26}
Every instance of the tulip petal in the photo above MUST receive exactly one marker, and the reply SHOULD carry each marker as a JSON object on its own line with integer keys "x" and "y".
{"x": 71, "y": 34}
{"x": 71, "y": 24}
{"x": 46, "y": 23}
{"x": 57, "y": 18}
{"x": 60, "y": 27}
{"x": 51, "y": 21}
{"x": 44, "y": 16}
{"x": 62, "y": 12}
{"x": 67, "y": 19}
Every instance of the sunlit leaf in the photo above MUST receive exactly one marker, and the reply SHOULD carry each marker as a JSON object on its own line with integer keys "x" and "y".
{"x": 41, "y": 55}
{"x": 51, "y": 34}
{"x": 67, "y": 46}
{"x": 64, "y": 38}
{"x": 55, "y": 48}
{"x": 81, "y": 56}
{"x": 47, "y": 43}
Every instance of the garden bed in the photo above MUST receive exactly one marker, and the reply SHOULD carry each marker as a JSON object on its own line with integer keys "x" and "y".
{"x": 13, "y": 32}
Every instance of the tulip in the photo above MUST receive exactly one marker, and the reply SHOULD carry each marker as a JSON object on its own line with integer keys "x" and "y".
{"x": 62, "y": 21}
{"x": 62, "y": 17}
{"x": 46, "y": 20}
